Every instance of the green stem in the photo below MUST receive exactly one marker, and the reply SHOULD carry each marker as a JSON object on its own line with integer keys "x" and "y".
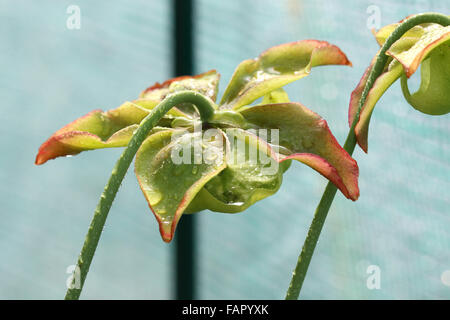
{"x": 321, "y": 213}
{"x": 206, "y": 110}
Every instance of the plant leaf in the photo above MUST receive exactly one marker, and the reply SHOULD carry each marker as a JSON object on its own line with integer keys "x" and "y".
{"x": 277, "y": 67}
{"x": 169, "y": 186}
{"x": 310, "y": 141}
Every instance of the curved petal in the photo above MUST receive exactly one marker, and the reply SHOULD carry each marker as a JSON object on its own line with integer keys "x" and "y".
{"x": 276, "y": 96}
{"x": 434, "y": 36}
{"x": 324, "y": 168}
{"x": 134, "y": 112}
{"x": 206, "y": 83}
{"x": 114, "y": 128}
{"x": 384, "y": 81}
{"x": 433, "y": 96}
{"x": 252, "y": 174}
{"x": 413, "y": 33}
{"x": 402, "y": 44}
{"x": 310, "y": 141}
{"x": 408, "y": 52}
{"x": 277, "y": 67}
{"x": 96, "y": 130}
{"x": 169, "y": 185}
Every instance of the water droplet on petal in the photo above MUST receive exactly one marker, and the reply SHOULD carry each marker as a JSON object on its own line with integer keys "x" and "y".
{"x": 154, "y": 197}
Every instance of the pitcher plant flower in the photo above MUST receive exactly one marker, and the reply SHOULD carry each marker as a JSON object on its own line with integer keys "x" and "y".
{"x": 189, "y": 163}
{"x": 193, "y": 153}
{"x": 426, "y": 45}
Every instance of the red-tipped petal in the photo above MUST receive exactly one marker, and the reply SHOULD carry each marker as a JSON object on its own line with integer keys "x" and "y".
{"x": 276, "y": 67}
{"x": 310, "y": 140}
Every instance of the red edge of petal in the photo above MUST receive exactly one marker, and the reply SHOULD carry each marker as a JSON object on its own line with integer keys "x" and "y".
{"x": 182, "y": 206}
{"x": 336, "y": 144}
{"x": 166, "y": 236}
{"x": 337, "y": 179}
{"x": 409, "y": 71}
{"x": 355, "y": 172}
{"x": 326, "y": 170}
{"x": 355, "y": 96}
{"x": 318, "y": 45}
{"x": 345, "y": 61}
{"x": 46, "y": 152}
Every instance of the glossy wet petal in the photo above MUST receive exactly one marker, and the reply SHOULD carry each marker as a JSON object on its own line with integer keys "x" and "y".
{"x": 252, "y": 174}
{"x": 96, "y": 130}
{"x": 414, "y": 33}
{"x": 206, "y": 83}
{"x": 168, "y": 182}
{"x": 393, "y": 71}
{"x": 310, "y": 141}
{"x": 277, "y": 67}
{"x": 418, "y": 44}
{"x": 433, "y": 96}
{"x": 433, "y": 37}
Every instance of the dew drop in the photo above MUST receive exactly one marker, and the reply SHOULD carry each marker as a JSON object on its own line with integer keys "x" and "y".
{"x": 154, "y": 197}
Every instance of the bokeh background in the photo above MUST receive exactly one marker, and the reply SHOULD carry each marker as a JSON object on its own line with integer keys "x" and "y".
{"x": 51, "y": 75}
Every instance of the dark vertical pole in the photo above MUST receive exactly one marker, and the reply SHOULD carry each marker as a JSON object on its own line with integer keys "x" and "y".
{"x": 185, "y": 235}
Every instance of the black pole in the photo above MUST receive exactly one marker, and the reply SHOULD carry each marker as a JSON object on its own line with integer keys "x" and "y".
{"x": 185, "y": 235}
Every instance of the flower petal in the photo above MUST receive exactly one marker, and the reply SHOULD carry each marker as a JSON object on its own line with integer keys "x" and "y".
{"x": 205, "y": 83}
{"x": 413, "y": 33}
{"x": 434, "y": 36}
{"x": 384, "y": 81}
{"x": 252, "y": 174}
{"x": 310, "y": 141}
{"x": 276, "y": 96}
{"x": 433, "y": 96}
{"x": 97, "y": 130}
{"x": 277, "y": 67}
{"x": 408, "y": 52}
{"x": 169, "y": 186}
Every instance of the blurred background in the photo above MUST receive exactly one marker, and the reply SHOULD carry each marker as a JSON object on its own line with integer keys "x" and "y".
{"x": 51, "y": 75}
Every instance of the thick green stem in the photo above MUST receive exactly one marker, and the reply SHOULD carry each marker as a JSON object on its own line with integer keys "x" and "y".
{"x": 206, "y": 110}
{"x": 321, "y": 213}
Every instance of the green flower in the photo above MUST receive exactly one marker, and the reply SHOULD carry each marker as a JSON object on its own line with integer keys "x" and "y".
{"x": 186, "y": 165}
{"x": 427, "y": 45}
